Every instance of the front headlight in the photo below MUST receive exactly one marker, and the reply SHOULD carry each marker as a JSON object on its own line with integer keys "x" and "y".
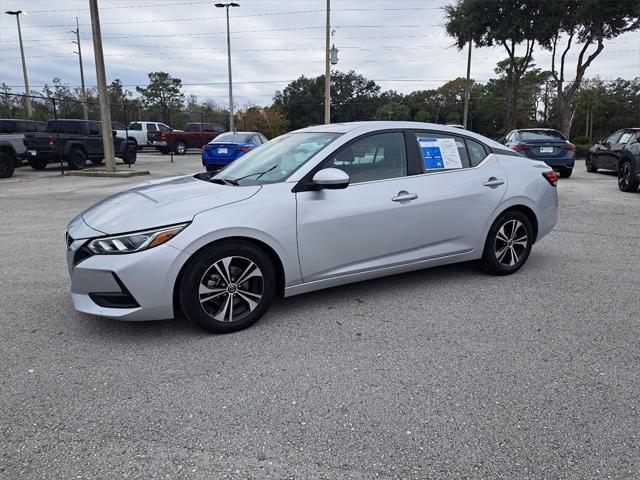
{"x": 134, "y": 242}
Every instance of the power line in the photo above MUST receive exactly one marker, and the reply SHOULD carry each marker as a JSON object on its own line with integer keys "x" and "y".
{"x": 205, "y": 34}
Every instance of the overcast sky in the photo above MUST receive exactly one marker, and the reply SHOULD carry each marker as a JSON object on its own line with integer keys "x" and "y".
{"x": 401, "y": 45}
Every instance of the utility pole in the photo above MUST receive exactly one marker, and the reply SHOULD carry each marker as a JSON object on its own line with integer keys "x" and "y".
{"x": 27, "y": 92}
{"x": 79, "y": 52}
{"x": 327, "y": 69}
{"x": 467, "y": 89}
{"x": 227, "y": 5}
{"x": 103, "y": 98}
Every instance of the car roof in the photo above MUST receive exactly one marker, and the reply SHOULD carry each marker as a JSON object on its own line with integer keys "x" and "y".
{"x": 537, "y": 130}
{"x": 375, "y": 125}
{"x": 243, "y": 133}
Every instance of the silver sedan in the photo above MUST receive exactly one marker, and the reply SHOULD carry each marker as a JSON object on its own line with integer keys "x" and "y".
{"x": 315, "y": 208}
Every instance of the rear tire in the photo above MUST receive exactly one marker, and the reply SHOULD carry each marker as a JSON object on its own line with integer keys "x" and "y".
{"x": 77, "y": 159}
{"x": 227, "y": 286}
{"x": 7, "y": 165}
{"x": 508, "y": 243}
{"x": 627, "y": 178}
{"x": 38, "y": 163}
{"x": 566, "y": 172}
{"x": 180, "y": 148}
{"x": 591, "y": 168}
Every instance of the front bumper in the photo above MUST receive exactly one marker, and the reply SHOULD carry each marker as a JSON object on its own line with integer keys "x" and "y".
{"x": 134, "y": 287}
{"x": 158, "y": 143}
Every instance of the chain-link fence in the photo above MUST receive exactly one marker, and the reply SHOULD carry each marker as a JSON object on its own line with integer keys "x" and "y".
{"x": 41, "y": 134}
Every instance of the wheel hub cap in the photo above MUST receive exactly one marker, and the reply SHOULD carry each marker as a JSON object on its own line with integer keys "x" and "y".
{"x": 231, "y": 289}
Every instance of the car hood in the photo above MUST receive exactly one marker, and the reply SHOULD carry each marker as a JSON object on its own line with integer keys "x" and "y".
{"x": 160, "y": 203}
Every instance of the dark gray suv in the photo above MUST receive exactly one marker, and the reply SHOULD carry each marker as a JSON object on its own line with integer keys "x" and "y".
{"x": 619, "y": 152}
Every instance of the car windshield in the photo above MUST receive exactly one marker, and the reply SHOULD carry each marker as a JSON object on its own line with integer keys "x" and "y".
{"x": 533, "y": 135}
{"x": 276, "y": 159}
{"x": 233, "y": 137}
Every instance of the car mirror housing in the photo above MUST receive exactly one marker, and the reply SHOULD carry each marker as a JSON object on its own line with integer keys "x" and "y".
{"x": 331, "y": 178}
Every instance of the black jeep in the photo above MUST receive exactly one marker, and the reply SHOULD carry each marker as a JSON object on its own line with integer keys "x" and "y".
{"x": 75, "y": 142}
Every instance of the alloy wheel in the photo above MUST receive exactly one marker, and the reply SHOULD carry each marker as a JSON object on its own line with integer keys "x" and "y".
{"x": 231, "y": 289}
{"x": 511, "y": 243}
{"x": 624, "y": 176}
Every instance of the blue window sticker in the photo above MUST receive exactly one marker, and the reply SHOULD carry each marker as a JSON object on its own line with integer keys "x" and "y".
{"x": 431, "y": 153}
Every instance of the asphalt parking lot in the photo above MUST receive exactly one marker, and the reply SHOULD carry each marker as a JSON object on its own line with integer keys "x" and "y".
{"x": 442, "y": 373}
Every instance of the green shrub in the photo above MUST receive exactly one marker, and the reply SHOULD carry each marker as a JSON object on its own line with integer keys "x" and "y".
{"x": 581, "y": 140}
{"x": 582, "y": 150}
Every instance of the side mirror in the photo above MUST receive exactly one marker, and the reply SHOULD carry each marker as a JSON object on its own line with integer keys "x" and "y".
{"x": 331, "y": 178}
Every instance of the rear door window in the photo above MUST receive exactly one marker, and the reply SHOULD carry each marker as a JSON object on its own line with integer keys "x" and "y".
{"x": 442, "y": 151}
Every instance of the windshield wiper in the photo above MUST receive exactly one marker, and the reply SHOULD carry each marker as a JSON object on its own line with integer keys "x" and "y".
{"x": 222, "y": 181}
{"x": 260, "y": 174}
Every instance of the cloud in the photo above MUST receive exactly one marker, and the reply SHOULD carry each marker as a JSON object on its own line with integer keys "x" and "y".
{"x": 401, "y": 45}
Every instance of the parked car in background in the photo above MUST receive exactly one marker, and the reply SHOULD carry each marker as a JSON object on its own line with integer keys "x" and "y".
{"x": 619, "y": 152}
{"x": 75, "y": 141}
{"x": 12, "y": 131}
{"x": 228, "y": 147}
{"x": 194, "y": 135}
{"x": 142, "y": 133}
{"x": 545, "y": 144}
{"x": 8, "y": 159}
{"x": 315, "y": 208}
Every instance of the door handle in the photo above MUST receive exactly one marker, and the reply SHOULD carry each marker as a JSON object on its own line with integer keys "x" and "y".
{"x": 404, "y": 196}
{"x": 493, "y": 182}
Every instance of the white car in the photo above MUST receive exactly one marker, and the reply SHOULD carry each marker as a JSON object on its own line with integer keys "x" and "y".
{"x": 323, "y": 206}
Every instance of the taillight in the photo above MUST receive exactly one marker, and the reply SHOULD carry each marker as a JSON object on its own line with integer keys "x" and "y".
{"x": 568, "y": 147}
{"x": 519, "y": 148}
{"x": 552, "y": 178}
{"x": 243, "y": 149}
{"x": 51, "y": 142}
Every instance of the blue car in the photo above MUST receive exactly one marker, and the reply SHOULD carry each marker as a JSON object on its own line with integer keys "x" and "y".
{"x": 227, "y": 147}
{"x": 545, "y": 144}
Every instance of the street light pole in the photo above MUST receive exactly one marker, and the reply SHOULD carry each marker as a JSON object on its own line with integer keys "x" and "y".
{"x": 79, "y": 52}
{"x": 103, "y": 98}
{"x": 17, "y": 13}
{"x": 227, "y": 5}
{"x": 467, "y": 89}
{"x": 327, "y": 69}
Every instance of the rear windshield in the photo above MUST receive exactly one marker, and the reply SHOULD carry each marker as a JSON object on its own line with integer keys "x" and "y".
{"x": 234, "y": 137}
{"x": 529, "y": 135}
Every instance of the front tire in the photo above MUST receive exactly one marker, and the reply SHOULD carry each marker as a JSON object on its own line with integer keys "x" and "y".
{"x": 227, "y": 286}
{"x": 508, "y": 243}
{"x": 591, "y": 168}
{"x": 627, "y": 177}
{"x": 131, "y": 155}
